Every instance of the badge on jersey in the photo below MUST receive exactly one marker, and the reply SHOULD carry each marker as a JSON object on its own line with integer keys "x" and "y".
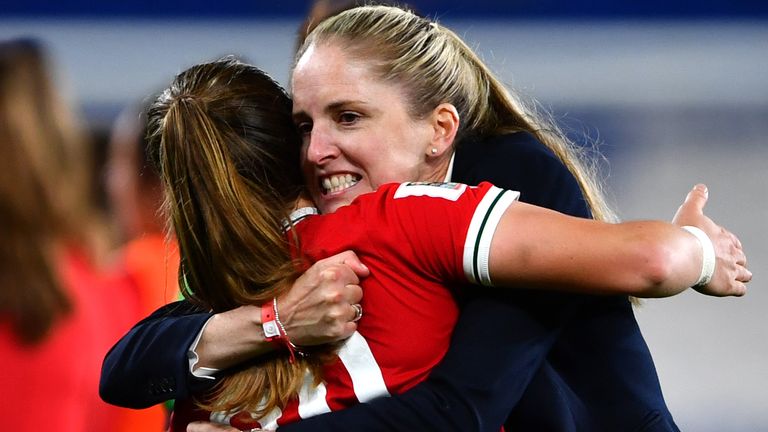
{"x": 449, "y": 191}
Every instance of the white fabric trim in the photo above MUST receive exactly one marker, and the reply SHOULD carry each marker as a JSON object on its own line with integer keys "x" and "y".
{"x": 297, "y": 215}
{"x": 201, "y": 372}
{"x": 477, "y": 245}
{"x": 449, "y": 174}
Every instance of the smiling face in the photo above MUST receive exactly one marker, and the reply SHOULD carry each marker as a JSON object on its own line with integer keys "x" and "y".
{"x": 357, "y": 131}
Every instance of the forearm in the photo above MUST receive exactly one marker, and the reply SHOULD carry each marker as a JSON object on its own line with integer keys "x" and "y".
{"x": 643, "y": 259}
{"x": 232, "y": 337}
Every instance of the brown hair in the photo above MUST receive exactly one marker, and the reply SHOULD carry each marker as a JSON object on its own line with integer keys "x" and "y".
{"x": 435, "y": 66}
{"x": 45, "y": 190}
{"x": 227, "y": 150}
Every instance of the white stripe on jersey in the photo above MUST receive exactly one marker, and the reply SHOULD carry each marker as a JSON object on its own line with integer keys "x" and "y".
{"x": 311, "y": 398}
{"x": 220, "y": 417}
{"x": 477, "y": 246}
{"x": 367, "y": 379}
{"x": 269, "y": 420}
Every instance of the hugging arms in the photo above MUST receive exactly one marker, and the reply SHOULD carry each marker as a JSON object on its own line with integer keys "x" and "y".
{"x": 563, "y": 337}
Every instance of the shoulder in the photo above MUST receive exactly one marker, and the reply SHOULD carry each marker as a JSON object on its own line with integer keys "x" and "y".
{"x": 516, "y": 155}
{"x": 519, "y": 161}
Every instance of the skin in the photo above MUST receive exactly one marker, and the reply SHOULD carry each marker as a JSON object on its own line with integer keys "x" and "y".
{"x": 353, "y": 123}
{"x": 658, "y": 265}
{"x": 358, "y": 126}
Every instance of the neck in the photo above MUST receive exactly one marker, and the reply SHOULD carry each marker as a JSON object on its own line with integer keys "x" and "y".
{"x": 440, "y": 170}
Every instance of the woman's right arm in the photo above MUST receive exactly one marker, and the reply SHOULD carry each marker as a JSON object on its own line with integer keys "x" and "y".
{"x": 541, "y": 248}
{"x": 151, "y": 363}
{"x": 457, "y": 396}
{"x": 316, "y": 310}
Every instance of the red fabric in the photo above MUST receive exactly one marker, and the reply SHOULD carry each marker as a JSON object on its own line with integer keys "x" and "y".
{"x": 414, "y": 246}
{"x": 151, "y": 263}
{"x": 54, "y": 384}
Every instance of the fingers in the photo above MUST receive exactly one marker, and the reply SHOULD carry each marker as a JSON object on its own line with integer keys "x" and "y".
{"x": 697, "y": 197}
{"x": 735, "y": 240}
{"x": 692, "y": 207}
{"x": 739, "y": 289}
{"x": 350, "y": 259}
{"x": 744, "y": 275}
{"x": 741, "y": 258}
{"x": 357, "y": 312}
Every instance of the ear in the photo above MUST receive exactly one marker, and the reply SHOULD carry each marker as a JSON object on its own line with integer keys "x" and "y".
{"x": 445, "y": 125}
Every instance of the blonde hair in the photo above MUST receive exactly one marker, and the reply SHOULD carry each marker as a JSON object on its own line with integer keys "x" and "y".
{"x": 46, "y": 198}
{"x": 433, "y": 66}
{"x": 228, "y": 155}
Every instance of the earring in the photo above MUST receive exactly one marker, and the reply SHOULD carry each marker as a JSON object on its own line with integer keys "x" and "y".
{"x": 433, "y": 151}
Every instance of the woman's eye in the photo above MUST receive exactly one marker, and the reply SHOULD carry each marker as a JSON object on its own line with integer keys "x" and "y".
{"x": 348, "y": 118}
{"x": 305, "y": 128}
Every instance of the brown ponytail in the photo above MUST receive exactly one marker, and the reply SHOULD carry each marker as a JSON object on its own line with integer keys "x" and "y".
{"x": 228, "y": 154}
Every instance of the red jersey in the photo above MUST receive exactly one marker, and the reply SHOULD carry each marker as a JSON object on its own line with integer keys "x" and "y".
{"x": 421, "y": 241}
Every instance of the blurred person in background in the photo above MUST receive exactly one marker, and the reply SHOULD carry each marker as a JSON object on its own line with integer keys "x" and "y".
{"x": 56, "y": 321}
{"x": 57, "y": 314}
{"x": 135, "y": 197}
{"x": 147, "y": 257}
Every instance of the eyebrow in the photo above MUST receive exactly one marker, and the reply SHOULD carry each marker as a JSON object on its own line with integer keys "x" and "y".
{"x": 333, "y": 106}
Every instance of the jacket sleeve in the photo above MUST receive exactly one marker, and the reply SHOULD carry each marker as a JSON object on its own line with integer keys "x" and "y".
{"x": 149, "y": 365}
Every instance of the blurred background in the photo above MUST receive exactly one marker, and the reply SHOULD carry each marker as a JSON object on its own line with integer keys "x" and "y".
{"x": 674, "y": 92}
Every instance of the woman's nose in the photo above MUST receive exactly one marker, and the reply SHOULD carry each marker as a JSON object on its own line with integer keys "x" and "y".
{"x": 321, "y": 147}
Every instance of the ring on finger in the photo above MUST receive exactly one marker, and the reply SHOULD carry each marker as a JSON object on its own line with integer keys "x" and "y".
{"x": 358, "y": 312}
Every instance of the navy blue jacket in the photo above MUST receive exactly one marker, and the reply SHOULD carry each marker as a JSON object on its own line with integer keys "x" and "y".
{"x": 542, "y": 361}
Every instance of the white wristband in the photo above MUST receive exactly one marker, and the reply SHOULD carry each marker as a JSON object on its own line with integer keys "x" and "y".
{"x": 707, "y": 256}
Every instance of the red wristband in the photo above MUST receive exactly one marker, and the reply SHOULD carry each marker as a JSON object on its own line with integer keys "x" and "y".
{"x": 273, "y": 329}
{"x": 269, "y": 324}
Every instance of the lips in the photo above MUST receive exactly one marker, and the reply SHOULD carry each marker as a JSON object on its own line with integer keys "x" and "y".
{"x": 338, "y": 182}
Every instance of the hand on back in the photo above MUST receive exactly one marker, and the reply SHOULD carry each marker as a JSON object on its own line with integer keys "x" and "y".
{"x": 731, "y": 274}
{"x": 318, "y": 308}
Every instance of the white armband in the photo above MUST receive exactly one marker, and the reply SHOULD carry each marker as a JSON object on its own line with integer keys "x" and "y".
{"x": 707, "y": 256}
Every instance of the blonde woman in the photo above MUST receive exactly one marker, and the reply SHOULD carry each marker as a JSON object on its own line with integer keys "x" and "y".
{"x": 365, "y": 82}
{"x": 225, "y": 149}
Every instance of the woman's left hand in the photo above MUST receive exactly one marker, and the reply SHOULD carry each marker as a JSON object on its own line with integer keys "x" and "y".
{"x": 730, "y": 274}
